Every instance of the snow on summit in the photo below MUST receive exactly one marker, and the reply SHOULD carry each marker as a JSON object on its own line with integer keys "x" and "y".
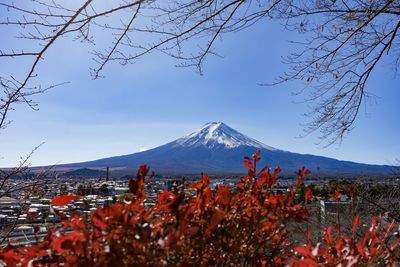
{"x": 215, "y": 134}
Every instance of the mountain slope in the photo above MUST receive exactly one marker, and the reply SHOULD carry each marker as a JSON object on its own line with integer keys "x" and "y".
{"x": 218, "y": 148}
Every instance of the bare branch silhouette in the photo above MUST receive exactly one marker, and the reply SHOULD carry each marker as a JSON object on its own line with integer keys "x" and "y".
{"x": 345, "y": 42}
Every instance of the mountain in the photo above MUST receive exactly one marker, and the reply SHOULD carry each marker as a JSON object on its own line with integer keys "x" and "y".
{"x": 217, "y": 148}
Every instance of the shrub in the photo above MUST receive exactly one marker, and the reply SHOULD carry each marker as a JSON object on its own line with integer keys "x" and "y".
{"x": 197, "y": 226}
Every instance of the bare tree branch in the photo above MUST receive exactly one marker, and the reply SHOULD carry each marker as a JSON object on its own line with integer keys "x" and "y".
{"x": 345, "y": 42}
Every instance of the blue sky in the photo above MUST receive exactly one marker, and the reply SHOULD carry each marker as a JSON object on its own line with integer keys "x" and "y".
{"x": 150, "y": 103}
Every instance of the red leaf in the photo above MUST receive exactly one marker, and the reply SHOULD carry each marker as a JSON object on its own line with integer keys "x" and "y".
{"x": 248, "y": 164}
{"x": 309, "y": 263}
{"x": 251, "y": 173}
{"x": 336, "y": 195}
{"x": 328, "y": 235}
{"x": 143, "y": 170}
{"x": 356, "y": 222}
{"x": 263, "y": 170}
{"x": 216, "y": 218}
{"x": 205, "y": 180}
{"x": 99, "y": 221}
{"x": 375, "y": 221}
{"x": 303, "y": 172}
{"x": 263, "y": 178}
{"x": 63, "y": 200}
{"x": 274, "y": 176}
{"x": 224, "y": 195}
{"x": 240, "y": 186}
{"x": 352, "y": 191}
{"x": 196, "y": 185}
{"x": 308, "y": 195}
{"x": 304, "y": 250}
{"x": 277, "y": 170}
{"x": 203, "y": 184}
{"x": 10, "y": 256}
{"x": 256, "y": 156}
{"x": 244, "y": 179}
{"x": 300, "y": 181}
{"x": 133, "y": 186}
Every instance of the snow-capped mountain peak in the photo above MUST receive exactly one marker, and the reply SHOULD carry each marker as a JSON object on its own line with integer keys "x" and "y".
{"x": 218, "y": 134}
{"x": 216, "y": 148}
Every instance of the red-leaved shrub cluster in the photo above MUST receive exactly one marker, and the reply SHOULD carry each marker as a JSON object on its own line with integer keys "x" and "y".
{"x": 244, "y": 226}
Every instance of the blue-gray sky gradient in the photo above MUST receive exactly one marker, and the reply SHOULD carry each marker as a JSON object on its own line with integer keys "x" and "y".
{"x": 149, "y": 103}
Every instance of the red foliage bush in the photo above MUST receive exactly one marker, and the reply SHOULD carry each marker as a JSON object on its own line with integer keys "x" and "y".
{"x": 378, "y": 247}
{"x": 198, "y": 226}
